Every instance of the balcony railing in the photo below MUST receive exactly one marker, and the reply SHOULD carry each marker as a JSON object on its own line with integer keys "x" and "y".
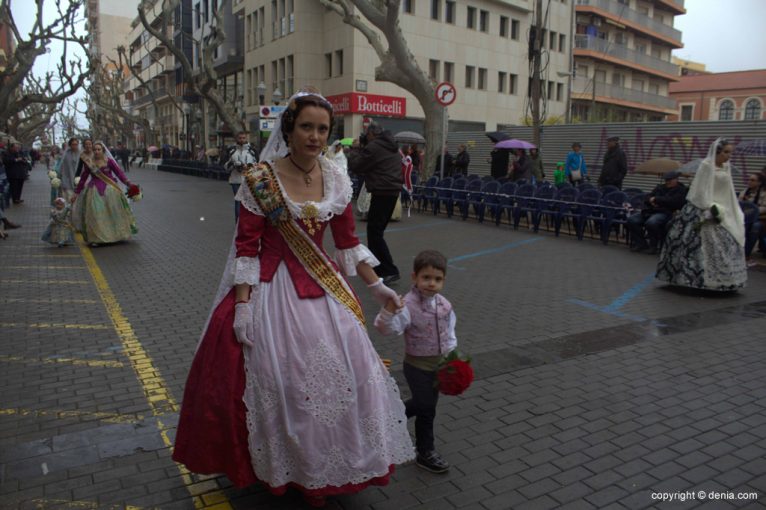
{"x": 588, "y": 42}
{"x": 146, "y": 99}
{"x": 628, "y": 14}
{"x": 585, "y": 86}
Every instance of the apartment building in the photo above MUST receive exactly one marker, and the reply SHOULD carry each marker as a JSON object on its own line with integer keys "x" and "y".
{"x": 160, "y": 97}
{"x": 205, "y": 126}
{"x": 481, "y": 46}
{"x": 736, "y": 95}
{"x": 622, "y": 54}
{"x": 108, "y": 26}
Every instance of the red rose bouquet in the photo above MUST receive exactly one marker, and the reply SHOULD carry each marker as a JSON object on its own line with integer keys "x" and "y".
{"x": 134, "y": 193}
{"x": 454, "y": 374}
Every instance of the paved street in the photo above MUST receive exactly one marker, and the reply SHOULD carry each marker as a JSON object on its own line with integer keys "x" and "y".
{"x": 597, "y": 387}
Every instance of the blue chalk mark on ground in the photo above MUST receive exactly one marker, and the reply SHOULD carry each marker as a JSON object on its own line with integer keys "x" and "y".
{"x": 491, "y": 251}
{"x": 402, "y": 229}
{"x": 614, "y": 307}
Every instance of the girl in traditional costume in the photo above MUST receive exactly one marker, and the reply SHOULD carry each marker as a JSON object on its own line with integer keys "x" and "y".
{"x": 59, "y": 230}
{"x": 286, "y": 387}
{"x": 705, "y": 244}
{"x": 102, "y": 213}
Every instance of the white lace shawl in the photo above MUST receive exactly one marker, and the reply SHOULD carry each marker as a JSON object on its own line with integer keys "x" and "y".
{"x": 713, "y": 185}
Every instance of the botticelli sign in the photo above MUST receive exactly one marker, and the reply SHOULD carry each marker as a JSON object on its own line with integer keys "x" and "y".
{"x": 445, "y": 93}
{"x": 368, "y": 104}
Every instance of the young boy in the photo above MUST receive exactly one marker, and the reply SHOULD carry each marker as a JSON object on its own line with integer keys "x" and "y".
{"x": 428, "y": 324}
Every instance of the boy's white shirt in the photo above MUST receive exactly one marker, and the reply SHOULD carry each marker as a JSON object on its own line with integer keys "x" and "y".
{"x": 388, "y": 323}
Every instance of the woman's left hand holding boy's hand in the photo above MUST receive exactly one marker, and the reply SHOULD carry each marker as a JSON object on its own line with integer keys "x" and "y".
{"x": 383, "y": 294}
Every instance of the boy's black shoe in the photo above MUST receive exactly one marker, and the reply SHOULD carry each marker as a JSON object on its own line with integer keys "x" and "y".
{"x": 432, "y": 462}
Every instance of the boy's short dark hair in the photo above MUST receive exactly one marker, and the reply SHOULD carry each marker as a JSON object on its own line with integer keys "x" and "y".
{"x": 430, "y": 258}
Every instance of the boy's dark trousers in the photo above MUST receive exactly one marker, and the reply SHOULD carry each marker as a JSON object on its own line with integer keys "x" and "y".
{"x": 422, "y": 405}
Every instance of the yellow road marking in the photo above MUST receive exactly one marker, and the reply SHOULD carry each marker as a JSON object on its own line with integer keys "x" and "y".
{"x": 55, "y": 325}
{"x": 67, "y": 361}
{"x": 42, "y": 504}
{"x": 45, "y": 267}
{"x": 153, "y": 385}
{"x": 105, "y": 417}
{"x": 48, "y": 282}
{"x": 69, "y": 301}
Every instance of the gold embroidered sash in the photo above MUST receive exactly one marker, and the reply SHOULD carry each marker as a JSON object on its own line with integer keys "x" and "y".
{"x": 265, "y": 189}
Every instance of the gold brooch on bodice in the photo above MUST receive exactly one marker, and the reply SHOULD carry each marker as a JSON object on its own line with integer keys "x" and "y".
{"x": 310, "y": 217}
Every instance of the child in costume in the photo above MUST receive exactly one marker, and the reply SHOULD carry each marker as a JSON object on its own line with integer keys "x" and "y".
{"x": 59, "y": 230}
{"x": 425, "y": 346}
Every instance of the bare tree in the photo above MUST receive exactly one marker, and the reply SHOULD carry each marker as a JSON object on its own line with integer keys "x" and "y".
{"x": 397, "y": 63}
{"x": 205, "y": 82}
{"x": 31, "y": 122}
{"x": 20, "y": 88}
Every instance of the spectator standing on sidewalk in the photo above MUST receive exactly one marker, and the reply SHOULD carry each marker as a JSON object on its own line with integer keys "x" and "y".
{"x": 378, "y": 160}
{"x": 449, "y": 162}
{"x": 615, "y": 165}
{"x": 16, "y": 168}
{"x": 239, "y": 157}
{"x": 462, "y": 160}
{"x": 576, "y": 170}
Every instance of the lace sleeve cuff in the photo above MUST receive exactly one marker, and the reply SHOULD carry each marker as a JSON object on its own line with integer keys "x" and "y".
{"x": 247, "y": 270}
{"x": 348, "y": 259}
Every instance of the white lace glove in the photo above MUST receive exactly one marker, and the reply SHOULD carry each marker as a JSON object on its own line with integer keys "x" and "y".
{"x": 243, "y": 323}
{"x": 382, "y": 294}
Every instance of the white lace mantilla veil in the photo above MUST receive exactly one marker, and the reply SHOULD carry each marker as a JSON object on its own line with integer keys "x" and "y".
{"x": 704, "y": 191}
{"x": 275, "y": 148}
{"x": 107, "y": 156}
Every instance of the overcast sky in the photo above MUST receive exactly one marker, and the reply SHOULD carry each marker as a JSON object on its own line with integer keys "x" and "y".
{"x": 725, "y": 35}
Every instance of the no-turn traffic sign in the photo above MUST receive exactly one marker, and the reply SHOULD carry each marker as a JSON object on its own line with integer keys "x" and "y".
{"x": 445, "y": 93}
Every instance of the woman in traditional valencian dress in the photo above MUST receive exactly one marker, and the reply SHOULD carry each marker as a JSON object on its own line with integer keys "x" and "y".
{"x": 102, "y": 213}
{"x": 705, "y": 244}
{"x": 285, "y": 387}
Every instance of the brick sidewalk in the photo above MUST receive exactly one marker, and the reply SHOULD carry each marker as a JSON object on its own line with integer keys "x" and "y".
{"x": 596, "y": 385}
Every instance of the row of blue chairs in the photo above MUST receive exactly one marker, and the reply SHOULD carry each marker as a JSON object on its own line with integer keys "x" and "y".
{"x": 604, "y": 211}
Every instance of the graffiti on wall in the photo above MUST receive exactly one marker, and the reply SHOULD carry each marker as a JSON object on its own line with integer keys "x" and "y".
{"x": 676, "y": 146}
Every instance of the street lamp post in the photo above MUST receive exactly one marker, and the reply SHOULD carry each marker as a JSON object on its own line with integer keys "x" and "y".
{"x": 276, "y": 95}
{"x": 261, "y": 95}
{"x": 186, "y": 109}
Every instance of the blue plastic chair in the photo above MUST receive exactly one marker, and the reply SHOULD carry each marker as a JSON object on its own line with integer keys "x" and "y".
{"x": 472, "y": 187}
{"x": 422, "y": 194}
{"x": 605, "y": 190}
{"x": 487, "y": 178}
{"x": 506, "y": 202}
{"x": 585, "y": 185}
{"x": 545, "y": 207}
{"x": 443, "y": 194}
{"x": 473, "y": 177}
{"x": 525, "y": 203}
{"x": 565, "y": 201}
{"x": 614, "y": 211}
{"x": 633, "y": 191}
{"x": 587, "y": 210}
{"x": 457, "y": 188}
{"x": 487, "y": 199}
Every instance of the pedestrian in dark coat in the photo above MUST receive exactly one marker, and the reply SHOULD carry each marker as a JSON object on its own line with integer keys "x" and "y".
{"x": 16, "y": 168}
{"x": 380, "y": 163}
{"x": 462, "y": 160}
{"x": 449, "y": 163}
{"x": 615, "y": 165}
{"x": 498, "y": 162}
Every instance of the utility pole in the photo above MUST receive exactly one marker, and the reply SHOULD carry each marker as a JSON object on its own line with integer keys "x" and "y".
{"x": 535, "y": 50}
